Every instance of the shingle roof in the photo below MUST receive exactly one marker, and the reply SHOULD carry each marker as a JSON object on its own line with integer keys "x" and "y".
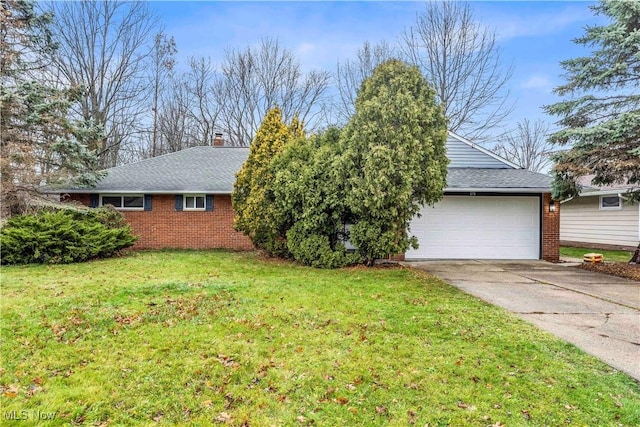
{"x": 212, "y": 170}
{"x": 516, "y": 179}
{"x": 203, "y": 169}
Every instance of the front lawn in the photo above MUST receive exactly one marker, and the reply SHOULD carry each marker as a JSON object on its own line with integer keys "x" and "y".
{"x": 202, "y": 337}
{"x": 608, "y": 256}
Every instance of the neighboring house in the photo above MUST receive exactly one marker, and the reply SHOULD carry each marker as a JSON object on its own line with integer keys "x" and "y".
{"x": 492, "y": 209}
{"x": 602, "y": 217}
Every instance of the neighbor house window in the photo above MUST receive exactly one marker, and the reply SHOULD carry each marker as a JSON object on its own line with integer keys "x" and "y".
{"x": 121, "y": 201}
{"x": 194, "y": 202}
{"x": 610, "y": 203}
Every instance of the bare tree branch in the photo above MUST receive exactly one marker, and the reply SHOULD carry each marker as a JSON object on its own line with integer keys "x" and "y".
{"x": 462, "y": 61}
{"x": 257, "y": 79}
{"x": 527, "y": 145}
{"x": 105, "y": 47}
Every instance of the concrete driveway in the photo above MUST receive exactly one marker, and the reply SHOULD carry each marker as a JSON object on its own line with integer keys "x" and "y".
{"x": 598, "y": 313}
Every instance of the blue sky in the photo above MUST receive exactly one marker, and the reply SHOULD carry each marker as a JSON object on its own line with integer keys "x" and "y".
{"x": 534, "y": 36}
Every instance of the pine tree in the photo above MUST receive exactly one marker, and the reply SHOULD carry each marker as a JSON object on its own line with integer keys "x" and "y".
{"x": 39, "y": 144}
{"x": 252, "y": 197}
{"x": 394, "y": 158}
{"x": 600, "y": 115}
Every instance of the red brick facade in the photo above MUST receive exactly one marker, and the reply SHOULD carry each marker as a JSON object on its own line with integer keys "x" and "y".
{"x": 164, "y": 227}
{"x": 550, "y": 230}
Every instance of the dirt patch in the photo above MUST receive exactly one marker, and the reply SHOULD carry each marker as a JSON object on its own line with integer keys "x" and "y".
{"x": 620, "y": 269}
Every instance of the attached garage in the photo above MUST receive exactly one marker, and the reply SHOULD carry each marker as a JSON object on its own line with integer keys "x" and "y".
{"x": 479, "y": 227}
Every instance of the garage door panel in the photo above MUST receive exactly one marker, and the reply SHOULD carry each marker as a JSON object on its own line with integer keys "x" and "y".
{"x": 480, "y": 227}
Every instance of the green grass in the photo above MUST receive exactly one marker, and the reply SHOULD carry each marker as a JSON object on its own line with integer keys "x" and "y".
{"x": 608, "y": 256}
{"x": 202, "y": 337}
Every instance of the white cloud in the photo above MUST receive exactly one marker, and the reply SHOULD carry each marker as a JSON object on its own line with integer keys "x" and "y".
{"x": 536, "y": 22}
{"x": 537, "y": 81}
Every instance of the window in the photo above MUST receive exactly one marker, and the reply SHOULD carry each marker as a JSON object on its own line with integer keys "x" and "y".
{"x": 193, "y": 202}
{"x": 130, "y": 201}
{"x": 610, "y": 203}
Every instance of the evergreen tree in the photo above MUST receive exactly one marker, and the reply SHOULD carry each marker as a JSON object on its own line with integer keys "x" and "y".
{"x": 39, "y": 144}
{"x": 600, "y": 115}
{"x": 310, "y": 200}
{"x": 252, "y": 197}
{"x": 394, "y": 158}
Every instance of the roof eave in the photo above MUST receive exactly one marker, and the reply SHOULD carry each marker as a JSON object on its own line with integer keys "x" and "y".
{"x": 497, "y": 190}
{"x": 115, "y": 191}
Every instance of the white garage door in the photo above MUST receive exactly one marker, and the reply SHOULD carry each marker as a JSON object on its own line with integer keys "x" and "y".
{"x": 478, "y": 227}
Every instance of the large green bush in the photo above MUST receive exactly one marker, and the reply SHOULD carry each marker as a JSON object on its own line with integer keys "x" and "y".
{"x": 64, "y": 236}
{"x": 310, "y": 201}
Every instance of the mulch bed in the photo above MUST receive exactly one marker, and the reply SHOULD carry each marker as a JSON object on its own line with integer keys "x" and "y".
{"x": 620, "y": 269}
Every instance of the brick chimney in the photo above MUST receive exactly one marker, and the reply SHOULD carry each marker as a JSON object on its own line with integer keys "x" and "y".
{"x": 218, "y": 141}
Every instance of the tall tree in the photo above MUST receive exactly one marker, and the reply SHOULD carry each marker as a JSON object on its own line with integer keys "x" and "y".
{"x": 461, "y": 59}
{"x": 164, "y": 51}
{"x": 351, "y": 73}
{"x": 600, "y": 115}
{"x": 38, "y": 143}
{"x": 105, "y": 47}
{"x": 527, "y": 145}
{"x": 394, "y": 158}
{"x": 203, "y": 86}
{"x": 254, "y": 80}
{"x": 252, "y": 196}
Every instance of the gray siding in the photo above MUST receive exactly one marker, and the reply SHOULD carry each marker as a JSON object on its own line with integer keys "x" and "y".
{"x": 461, "y": 155}
{"x": 581, "y": 220}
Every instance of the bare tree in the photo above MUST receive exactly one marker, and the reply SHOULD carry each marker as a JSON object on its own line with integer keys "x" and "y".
{"x": 527, "y": 145}
{"x": 351, "y": 74}
{"x": 164, "y": 51}
{"x": 203, "y": 88}
{"x": 105, "y": 47}
{"x": 256, "y": 79}
{"x": 461, "y": 59}
{"x": 174, "y": 120}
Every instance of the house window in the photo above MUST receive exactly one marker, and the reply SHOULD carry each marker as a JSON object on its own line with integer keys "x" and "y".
{"x": 610, "y": 203}
{"x": 125, "y": 202}
{"x": 194, "y": 203}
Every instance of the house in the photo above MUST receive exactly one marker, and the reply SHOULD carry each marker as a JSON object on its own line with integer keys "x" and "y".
{"x": 492, "y": 209}
{"x": 600, "y": 217}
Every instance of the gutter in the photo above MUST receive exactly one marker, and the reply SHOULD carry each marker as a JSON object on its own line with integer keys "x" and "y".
{"x": 101, "y": 191}
{"x": 496, "y": 190}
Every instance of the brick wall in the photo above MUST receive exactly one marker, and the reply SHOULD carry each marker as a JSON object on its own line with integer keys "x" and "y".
{"x": 164, "y": 227}
{"x": 550, "y": 230}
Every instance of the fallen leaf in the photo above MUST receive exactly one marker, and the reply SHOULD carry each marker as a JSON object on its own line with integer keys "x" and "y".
{"x": 223, "y": 418}
{"x": 412, "y": 417}
{"x": 12, "y": 391}
{"x": 381, "y": 409}
{"x": 352, "y": 410}
{"x": 301, "y": 419}
{"x": 350, "y": 387}
{"x": 526, "y": 414}
{"x": 342, "y": 400}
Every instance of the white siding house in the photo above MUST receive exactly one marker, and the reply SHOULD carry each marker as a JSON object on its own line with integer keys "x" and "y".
{"x": 492, "y": 209}
{"x": 600, "y": 217}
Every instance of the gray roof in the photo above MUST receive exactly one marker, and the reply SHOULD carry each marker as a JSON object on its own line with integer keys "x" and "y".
{"x": 212, "y": 170}
{"x": 497, "y": 179}
{"x": 204, "y": 169}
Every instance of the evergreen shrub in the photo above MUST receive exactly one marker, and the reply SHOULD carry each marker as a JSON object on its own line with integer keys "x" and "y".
{"x": 64, "y": 236}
